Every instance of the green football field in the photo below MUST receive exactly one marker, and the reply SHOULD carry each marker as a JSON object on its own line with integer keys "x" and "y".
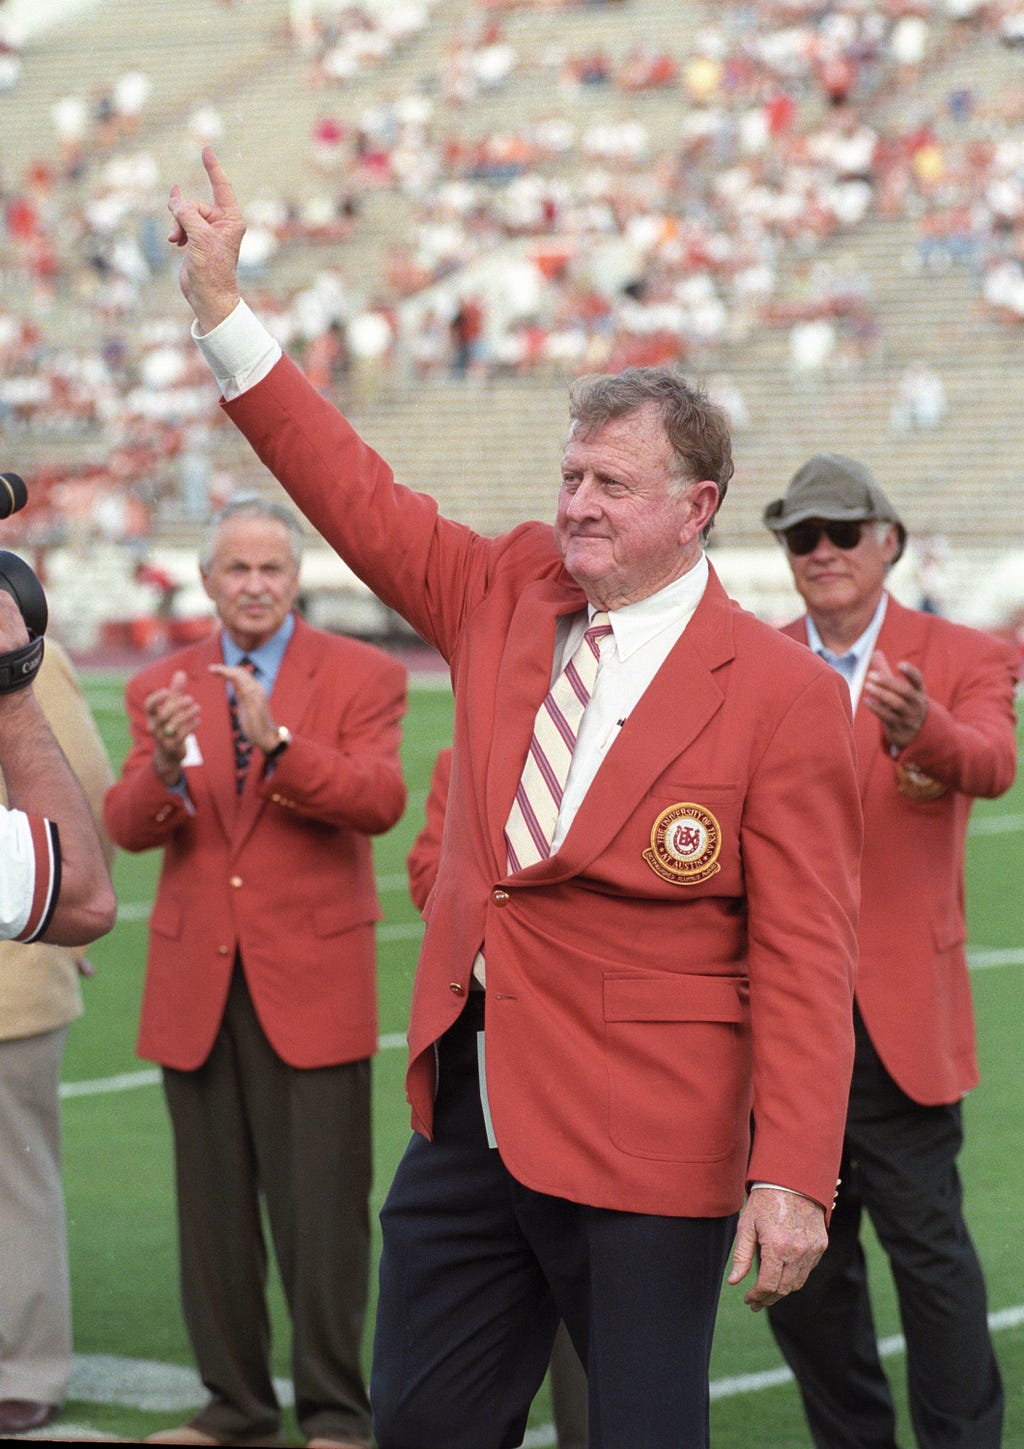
{"x": 133, "y": 1371}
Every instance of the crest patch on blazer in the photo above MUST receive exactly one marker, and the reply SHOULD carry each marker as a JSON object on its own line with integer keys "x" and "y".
{"x": 685, "y": 842}
{"x": 916, "y": 785}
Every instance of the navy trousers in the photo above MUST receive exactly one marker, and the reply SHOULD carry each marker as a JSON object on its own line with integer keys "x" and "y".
{"x": 476, "y": 1271}
{"x": 899, "y": 1166}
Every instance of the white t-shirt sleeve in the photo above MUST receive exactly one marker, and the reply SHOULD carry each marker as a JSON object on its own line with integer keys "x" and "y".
{"x": 29, "y": 874}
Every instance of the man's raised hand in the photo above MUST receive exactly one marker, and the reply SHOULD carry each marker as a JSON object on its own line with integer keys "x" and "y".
{"x": 210, "y": 233}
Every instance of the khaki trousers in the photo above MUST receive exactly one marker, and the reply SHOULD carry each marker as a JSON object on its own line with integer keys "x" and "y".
{"x": 35, "y": 1292}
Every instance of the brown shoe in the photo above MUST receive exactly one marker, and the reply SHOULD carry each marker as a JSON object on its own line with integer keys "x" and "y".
{"x": 189, "y": 1434}
{"x": 183, "y": 1434}
{"x": 18, "y": 1416}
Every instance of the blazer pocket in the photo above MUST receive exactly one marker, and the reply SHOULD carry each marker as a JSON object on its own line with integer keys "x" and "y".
{"x": 684, "y": 788}
{"x": 334, "y": 919}
{"x": 167, "y": 919}
{"x": 948, "y": 931}
{"x": 678, "y": 1064}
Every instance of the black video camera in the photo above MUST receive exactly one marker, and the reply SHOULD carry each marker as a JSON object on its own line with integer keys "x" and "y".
{"x": 19, "y": 667}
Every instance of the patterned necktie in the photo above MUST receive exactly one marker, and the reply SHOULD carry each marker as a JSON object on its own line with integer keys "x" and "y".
{"x": 531, "y": 821}
{"x": 243, "y": 746}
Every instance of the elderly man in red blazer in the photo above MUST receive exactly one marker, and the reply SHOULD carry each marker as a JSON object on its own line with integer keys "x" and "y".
{"x": 935, "y": 728}
{"x": 263, "y": 759}
{"x": 568, "y": 1381}
{"x": 598, "y": 1012}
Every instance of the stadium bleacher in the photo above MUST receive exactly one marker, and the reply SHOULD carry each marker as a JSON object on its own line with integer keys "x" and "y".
{"x": 487, "y": 443}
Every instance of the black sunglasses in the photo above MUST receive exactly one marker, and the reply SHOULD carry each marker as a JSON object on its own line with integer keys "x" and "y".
{"x": 803, "y": 537}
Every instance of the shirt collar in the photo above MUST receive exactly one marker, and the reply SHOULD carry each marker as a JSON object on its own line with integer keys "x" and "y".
{"x": 635, "y": 625}
{"x": 853, "y": 665}
{"x": 860, "y": 646}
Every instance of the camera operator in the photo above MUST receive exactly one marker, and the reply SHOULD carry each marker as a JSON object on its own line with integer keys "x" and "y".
{"x": 54, "y": 883}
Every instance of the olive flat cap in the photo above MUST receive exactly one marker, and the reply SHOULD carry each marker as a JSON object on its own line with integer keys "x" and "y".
{"x": 831, "y": 487}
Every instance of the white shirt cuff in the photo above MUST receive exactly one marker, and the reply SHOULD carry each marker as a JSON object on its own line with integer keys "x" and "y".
{"x": 777, "y": 1186}
{"x": 239, "y": 351}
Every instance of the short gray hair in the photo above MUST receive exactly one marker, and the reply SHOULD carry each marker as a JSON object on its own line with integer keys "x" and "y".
{"x": 252, "y": 506}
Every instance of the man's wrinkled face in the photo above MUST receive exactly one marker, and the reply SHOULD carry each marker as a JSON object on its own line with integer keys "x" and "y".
{"x": 625, "y": 527}
{"x": 252, "y": 578}
{"x": 831, "y": 579}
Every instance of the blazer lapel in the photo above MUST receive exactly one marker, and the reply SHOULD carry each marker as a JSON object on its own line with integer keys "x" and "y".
{"x": 900, "y": 637}
{"x": 214, "y": 733}
{"x": 865, "y": 724}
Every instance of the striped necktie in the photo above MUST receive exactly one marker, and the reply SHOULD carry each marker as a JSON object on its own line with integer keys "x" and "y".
{"x": 243, "y": 746}
{"x": 531, "y": 821}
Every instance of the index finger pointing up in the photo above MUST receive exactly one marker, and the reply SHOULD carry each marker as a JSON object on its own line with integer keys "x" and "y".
{"x": 223, "y": 195}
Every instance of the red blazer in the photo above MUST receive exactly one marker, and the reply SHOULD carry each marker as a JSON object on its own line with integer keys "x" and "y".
{"x": 425, "y": 855}
{"x": 284, "y": 873}
{"x": 640, "y": 1005}
{"x": 912, "y": 984}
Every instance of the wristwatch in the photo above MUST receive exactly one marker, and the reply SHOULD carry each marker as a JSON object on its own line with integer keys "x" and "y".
{"x": 284, "y": 739}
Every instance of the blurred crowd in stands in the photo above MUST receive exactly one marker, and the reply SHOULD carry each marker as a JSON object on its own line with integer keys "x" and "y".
{"x": 587, "y": 236}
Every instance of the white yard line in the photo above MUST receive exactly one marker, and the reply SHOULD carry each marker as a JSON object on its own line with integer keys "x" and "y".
{"x": 166, "y": 1388}
{"x": 979, "y": 958}
{"x": 996, "y": 825}
{"x": 174, "y": 1389}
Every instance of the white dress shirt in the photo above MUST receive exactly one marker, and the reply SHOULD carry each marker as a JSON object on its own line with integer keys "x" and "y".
{"x": 642, "y": 637}
{"x": 240, "y": 351}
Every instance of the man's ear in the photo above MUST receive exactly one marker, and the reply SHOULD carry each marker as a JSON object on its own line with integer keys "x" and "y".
{"x": 703, "y": 500}
{"x": 891, "y": 546}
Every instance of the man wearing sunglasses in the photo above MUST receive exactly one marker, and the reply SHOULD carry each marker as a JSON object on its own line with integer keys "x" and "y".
{"x": 934, "y": 727}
